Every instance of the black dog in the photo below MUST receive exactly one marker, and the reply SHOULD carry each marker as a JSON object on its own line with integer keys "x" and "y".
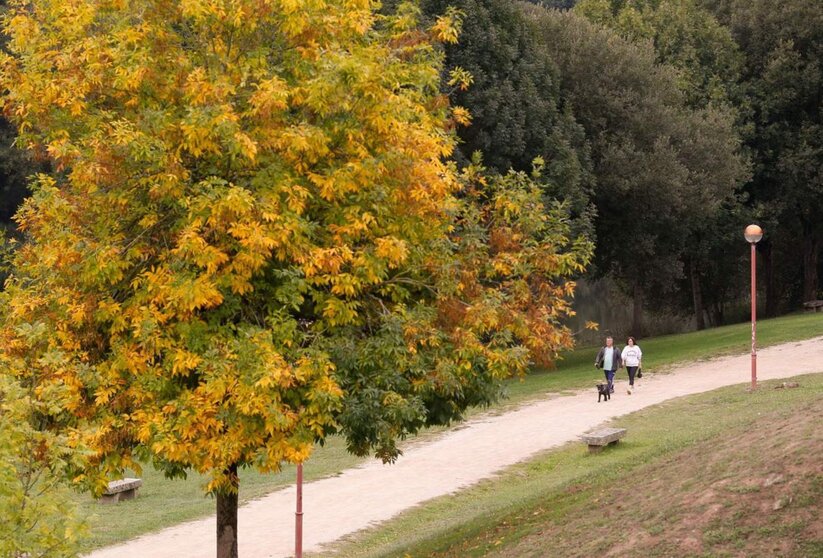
{"x": 603, "y": 391}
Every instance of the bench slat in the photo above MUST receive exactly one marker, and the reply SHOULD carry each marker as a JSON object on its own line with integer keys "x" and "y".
{"x": 603, "y": 436}
{"x": 123, "y": 489}
{"x": 122, "y": 485}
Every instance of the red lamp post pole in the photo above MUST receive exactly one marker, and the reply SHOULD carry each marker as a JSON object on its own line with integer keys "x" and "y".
{"x": 753, "y": 234}
{"x": 298, "y": 516}
{"x": 754, "y": 318}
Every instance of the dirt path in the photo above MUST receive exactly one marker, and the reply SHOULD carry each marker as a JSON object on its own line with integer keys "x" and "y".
{"x": 373, "y": 492}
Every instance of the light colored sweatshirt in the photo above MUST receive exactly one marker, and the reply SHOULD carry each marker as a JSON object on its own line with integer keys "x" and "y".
{"x": 632, "y": 355}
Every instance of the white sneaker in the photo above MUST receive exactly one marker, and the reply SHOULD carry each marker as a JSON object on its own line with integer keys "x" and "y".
{"x": 629, "y": 391}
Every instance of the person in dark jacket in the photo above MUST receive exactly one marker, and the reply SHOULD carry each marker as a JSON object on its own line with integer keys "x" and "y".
{"x": 609, "y": 360}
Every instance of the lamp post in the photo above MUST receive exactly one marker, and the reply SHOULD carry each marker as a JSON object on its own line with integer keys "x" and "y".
{"x": 298, "y": 516}
{"x": 753, "y": 234}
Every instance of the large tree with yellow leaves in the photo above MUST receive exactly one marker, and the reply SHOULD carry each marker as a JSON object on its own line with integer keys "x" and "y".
{"x": 251, "y": 239}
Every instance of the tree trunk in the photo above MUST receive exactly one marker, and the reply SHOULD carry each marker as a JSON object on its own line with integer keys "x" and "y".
{"x": 637, "y": 311}
{"x": 227, "y": 518}
{"x": 697, "y": 296}
{"x": 811, "y": 250}
{"x": 718, "y": 313}
{"x": 765, "y": 255}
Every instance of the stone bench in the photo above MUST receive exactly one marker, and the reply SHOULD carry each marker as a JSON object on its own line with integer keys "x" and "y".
{"x": 123, "y": 489}
{"x": 813, "y": 305}
{"x": 599, "y": 439}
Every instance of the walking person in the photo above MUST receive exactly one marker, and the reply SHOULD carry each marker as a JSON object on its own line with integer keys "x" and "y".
{"x": 631, "y": 356}
{"x": 609, "y": 359}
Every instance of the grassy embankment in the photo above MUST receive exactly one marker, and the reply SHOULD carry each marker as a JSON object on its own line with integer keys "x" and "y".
{"x": 726, "y": 473}
{"x": 165, "y": 502}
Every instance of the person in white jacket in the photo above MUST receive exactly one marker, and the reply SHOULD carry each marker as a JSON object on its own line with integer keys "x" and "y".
{"x": 631, "y": 357}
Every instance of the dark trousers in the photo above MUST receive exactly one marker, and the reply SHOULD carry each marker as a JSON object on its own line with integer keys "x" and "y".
{"x": 632, "y": 370}
{"x": 610, "y": 379}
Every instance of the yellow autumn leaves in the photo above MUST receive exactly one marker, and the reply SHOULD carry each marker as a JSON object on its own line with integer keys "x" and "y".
{"x": 253, "y": 223}
{"x": 238, "y": 179}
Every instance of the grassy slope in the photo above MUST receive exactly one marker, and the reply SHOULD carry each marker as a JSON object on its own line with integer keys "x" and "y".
{"x": 727, "y": 473}
{"x": 165, "y": 502}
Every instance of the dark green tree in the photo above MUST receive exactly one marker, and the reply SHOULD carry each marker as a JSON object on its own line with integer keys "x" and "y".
{"x": 689, "y": 38}
{"x": 515, "y": 101}
{"x": 684, "y": 35}
{"x": 782, "y": 80}
{"x": 556, "y": 4}
{"x": 660, "y": 164}
{"x": 15, "y": 166}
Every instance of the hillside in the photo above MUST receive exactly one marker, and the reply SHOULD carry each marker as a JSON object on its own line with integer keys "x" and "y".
{"x": 726, "y": 473}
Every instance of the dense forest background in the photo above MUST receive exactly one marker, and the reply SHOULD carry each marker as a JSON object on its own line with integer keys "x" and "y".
{"x": 666, "y": 126}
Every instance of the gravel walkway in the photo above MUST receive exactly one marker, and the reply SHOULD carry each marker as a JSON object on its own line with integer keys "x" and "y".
{"x": 373, "y": 492}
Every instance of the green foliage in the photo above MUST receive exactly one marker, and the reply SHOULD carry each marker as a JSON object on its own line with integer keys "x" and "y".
{"x": 517, "y": 113}
{"x": 782, "y": 80}
{"x": 684, "y": 36}
{"x": 500, "y": 294}
{"x": 39, "y": 519}
{"x": 708, "y": 63}
{"x": 660, "y": 164}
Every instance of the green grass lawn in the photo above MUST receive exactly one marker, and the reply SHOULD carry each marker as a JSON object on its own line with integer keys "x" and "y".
{"x": 164, "y": 502}
{"x": 726, "y": 473}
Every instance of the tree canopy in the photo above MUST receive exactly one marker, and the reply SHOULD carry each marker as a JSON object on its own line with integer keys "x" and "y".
{"x": 517, "y": 111}
{"x": 684, "y": 36}
{"x": 659, "y": 164}
{"x": 782, "y": 80}
{"x": 707, "y": 62}
{"x": 252, "y": 237}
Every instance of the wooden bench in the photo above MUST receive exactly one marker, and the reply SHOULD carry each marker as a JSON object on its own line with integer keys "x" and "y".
{"x": 123, "y": 489}
{"x": 813, "y": 305}
{"x": 599, "y": 439}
